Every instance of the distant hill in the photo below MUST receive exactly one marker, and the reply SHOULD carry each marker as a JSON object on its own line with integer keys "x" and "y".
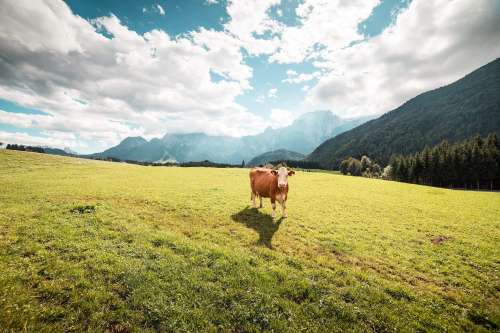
{"x": 275, "y": 155}
{"x": 56, "y": 151}
{"x": 455, "y": 112}
{"x": 302, "y": 136}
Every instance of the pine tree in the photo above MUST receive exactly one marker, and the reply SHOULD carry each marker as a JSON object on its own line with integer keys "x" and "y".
{"x": 468, "y": 164}
{"x": 426, "y": 163}
{"x": 394, "y": 163}
{"x": 476, "y": 161}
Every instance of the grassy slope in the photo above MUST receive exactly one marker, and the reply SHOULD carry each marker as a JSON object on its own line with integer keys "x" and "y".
{"x": 164, "y": 248}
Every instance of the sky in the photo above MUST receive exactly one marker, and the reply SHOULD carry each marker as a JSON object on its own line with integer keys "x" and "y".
{"x": 87, "y": 74}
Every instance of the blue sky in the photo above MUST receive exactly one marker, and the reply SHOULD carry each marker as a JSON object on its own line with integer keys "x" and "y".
{"x": 86, "y": 74}
{"x": 181, "y": 17}
{"x": 185, "y": 16}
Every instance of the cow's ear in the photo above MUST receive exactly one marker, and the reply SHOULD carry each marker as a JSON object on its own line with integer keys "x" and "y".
{"x": 274, "y": 172}
{"x": 291, "y": 172}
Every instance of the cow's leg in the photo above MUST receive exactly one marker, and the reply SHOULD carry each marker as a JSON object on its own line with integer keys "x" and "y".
{"x": 283, "y": 207}
{"x": 253, "y": 200}
{"x": 273, "y": 205}
{"x": 260, "y": 202}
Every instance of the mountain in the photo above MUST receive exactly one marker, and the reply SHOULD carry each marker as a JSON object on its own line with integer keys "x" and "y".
{"x": 200, "y": 147}
{"x": 302, "y": 136}
{"x": 137, "y": 149}
{"x": 275, "y": 155}
{"x": 454, "y": 112}
{"x": 124, "y": 149}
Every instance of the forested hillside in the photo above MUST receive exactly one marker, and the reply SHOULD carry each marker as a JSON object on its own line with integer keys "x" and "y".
{"x": 455, "y": 112}
{"x": 275, "y": 155}
{"x": 474, "y": 163}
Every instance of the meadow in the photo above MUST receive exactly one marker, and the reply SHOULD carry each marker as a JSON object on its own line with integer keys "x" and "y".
{"x": 100, "y": 246}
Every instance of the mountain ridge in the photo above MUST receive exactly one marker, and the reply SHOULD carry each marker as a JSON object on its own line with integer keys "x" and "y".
{"x": 302, "y": 136}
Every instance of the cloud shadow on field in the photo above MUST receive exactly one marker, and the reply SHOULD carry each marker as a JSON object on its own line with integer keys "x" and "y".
{"x": 260, "y": 222}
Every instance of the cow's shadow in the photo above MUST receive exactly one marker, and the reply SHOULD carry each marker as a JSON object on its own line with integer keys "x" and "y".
{"x": 260, "y": 222}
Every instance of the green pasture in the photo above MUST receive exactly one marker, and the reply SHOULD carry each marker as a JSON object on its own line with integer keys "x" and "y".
{"x": 99, "y": 246}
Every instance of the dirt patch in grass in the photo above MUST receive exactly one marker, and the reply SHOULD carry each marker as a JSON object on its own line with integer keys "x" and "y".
{"x": 439, "y": 240}
{"x": 83, "y": 209}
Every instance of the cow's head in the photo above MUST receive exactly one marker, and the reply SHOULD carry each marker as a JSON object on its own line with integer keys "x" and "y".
{"x": 282, "y": 173}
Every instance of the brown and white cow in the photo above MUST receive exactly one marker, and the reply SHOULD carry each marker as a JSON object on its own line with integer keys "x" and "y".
{"x": 271, "y": 184}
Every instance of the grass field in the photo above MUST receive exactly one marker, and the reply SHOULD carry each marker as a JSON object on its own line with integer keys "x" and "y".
{"x": 94, "y": 246}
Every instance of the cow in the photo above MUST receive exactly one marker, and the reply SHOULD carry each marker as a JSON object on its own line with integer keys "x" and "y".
{"x": 269, "y": 183}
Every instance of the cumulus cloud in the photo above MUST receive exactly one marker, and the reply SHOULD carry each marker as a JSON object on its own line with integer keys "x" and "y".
{"x": 322, "y": 24}
{"x": 431, "y": 44}
{"x": 104, "y": 81}
{"x": 250, "y": 22}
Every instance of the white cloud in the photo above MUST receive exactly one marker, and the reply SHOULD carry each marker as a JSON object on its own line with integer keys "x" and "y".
{"x": 280, "y": 118}
{"x": 160, "y": 9}
{"x": 323, "y": 24}
{"x": 144, "y": 9}
{"x": 294, "y": 77}
{"x": 432, "y": 43}
{"x": 212, "y": 2}
{"x": 250, "y": 23}
{"x": 272, "y": 93}
{"x": 132, "y": 84}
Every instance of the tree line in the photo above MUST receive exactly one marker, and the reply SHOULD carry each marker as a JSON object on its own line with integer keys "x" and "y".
{"x": 25, "y": 148}
{"x": 205, "y": 163}
{"x": 471, "y": 164}
{"x": 364, "y": 167}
